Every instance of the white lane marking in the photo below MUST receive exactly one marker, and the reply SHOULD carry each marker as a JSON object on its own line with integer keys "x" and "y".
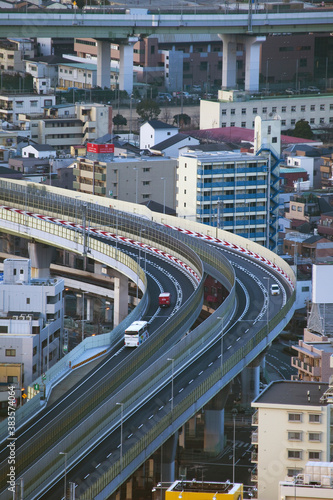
{"x": 180, "y": 390}
{"x": 130, "y": 435}
{"x": 85, "y": 477}
{"x": 97, "y": 466}
{"x": 109, "y": 455}
{"x": 210, "y": 364}
{"x": 190, "y": 382}
{"x": 238, "y": 339}
{"x": 229, "y": 347}
{"x": 201, "y": 372}
{"x": 151, "y": 416}
{"x": 161, "y": 408}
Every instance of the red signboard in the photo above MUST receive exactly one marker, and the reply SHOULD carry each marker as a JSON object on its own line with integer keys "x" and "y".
{"x": 99, "y": 148}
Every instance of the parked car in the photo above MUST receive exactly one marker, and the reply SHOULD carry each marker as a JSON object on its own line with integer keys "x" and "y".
{"x": 314, "y": 90}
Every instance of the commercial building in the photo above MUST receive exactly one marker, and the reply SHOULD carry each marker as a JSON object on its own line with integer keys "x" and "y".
{"x": 129, "y": 178}
{"x": 239, "y": 109}
{"x": 31, "y": 324}
{"x": 293, "y": 425}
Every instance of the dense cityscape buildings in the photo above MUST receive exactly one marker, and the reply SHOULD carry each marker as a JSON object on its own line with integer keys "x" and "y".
{"x": 243, "y": 172}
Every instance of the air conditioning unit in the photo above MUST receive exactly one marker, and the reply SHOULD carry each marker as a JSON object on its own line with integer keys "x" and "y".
{"x": 15, "y": 317}
{"x": 22, "y": 316}
{"x": 29, "y": 316}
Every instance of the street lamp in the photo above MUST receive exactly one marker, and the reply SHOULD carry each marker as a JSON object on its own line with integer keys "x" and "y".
{"x": 65, "y": 478}
{"x": 172, "y": 375}
{"x": 222, "y": 338}
{"x": 234, "y": 413}
{"x": 163, "y": 179}
{"x": 121, "y": 434}
{"x": 136, "y": 184}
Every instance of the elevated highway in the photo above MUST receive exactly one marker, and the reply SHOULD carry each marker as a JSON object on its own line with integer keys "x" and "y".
{"x": 203, "y": 361}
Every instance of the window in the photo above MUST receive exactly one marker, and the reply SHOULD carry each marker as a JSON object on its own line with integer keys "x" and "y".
{"x": 146, "y": 169}
{"x": 232, "y": 124}
{"x": 232, "y": 111}
{"x": 28, "y": 300}
{"x": 293, "y": 121}
{"x": 299, "y": 209}
{"x": 146, "y": 196}
{"x": 314, "y": 418}
{"x": 3, "y": 329}
{"x": 293, "y": 109}
{"x": 19, "y": 104}
{"x": 264, "y": 109}
{"x": 312, "y": 120}
{"x": 33, "y": 104}
{"x": 10, "y": 352}
{"x": 294, "y": 417}
{"x": 314, "y": 455}
{"x": 294, "y": 436}
{"x": 185, "y": 204}
{"x": 303, "y": 108}
{"x": 295, "y": 454}
{"x": 312, "y": 107}
{"x": 283, "y": 123}
{"x": 294, "y": 472}
{"x": 322, "y": 107}
{"x": 255, "y": 111}
{"x": 243, "y": 124}
{"x": 203, "y": 66}
{"x": 146, "y": 183}
{"x": 305, "y": 288}
{"x": 34, "y": 352}
{"x": 274, "y": 140}
{"x": 284, "y": 109}
{"x": 321, "y": 120}
{"x": 223, "y": 124}
{"x": 269, "y": 130}
{"x": 224, "y": 111}
{"x": 243, "y": 111}
{"x": 331, "y": 107}
{"x": 274, "y": 109}
{"x": 12, "y": 379}
{"x": 315, "y": 436}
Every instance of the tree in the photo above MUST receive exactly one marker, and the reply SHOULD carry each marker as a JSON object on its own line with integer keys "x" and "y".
{"x": 119, "y": 121}
{"x": 302, "y": 129}
{"x": 148, "y": 109}
{"x": 182, "y": 120}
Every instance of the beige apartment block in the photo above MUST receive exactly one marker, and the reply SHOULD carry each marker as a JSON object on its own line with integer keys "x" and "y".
{"x": 293, "y": 425}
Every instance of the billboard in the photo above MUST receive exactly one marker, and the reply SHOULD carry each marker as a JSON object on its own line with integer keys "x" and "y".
{"x": 100, "y": 148}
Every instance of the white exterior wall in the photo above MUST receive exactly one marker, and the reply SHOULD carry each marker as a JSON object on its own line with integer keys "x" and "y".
{"x": 37, "y": 154}
{"x": 173, "y": 150}
{"x": 26, "y": 307}
{"x": 322, "y": 278}
{"x": 187, "y": 187}
{"x": 71, "y": 76}
{"x": 302, "y": 162}
{"x": 317, "y": 110}
{"x": 273, "y": 462}
{"x": 150, "y": 136}
{"x": 26, "y": 104}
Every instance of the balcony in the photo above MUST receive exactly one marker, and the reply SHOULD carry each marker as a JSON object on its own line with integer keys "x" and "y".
{"x": 314, "y": 371}
{"x": 255, "y": 418}
{"x": 254, "y": 457}
{"x": 254, "y": 437}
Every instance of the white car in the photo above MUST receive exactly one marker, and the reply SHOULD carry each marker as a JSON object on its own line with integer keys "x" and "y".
{"x": 275, "y": 289}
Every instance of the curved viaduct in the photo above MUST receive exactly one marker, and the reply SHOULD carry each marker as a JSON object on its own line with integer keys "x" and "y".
{"x": 204, "y": 360}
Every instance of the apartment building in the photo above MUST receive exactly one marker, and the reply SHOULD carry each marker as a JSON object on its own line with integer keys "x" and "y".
{"x": 316, "y": 483}
{"x": 293, "y": 423}
{"x": 63, "y": 126}
{"x": 12, "y": 105}
{"x": 31, "y": 324}
{"x": 129, "y": 178}
{"x": 239, "y": 109}
{"x": 225, "y": 189}
{"x": 13, "y": 52}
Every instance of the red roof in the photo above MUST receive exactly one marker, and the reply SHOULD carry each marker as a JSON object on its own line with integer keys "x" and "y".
{"x": 240, "y": 134}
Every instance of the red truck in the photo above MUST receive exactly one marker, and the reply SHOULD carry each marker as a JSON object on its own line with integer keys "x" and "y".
{"x": 164, "y": 299}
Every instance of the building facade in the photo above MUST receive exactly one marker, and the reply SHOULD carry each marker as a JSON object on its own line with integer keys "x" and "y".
{"x": 225, "y": 189}
{"x": 301, "y": 417}
{"x": 12, "y": 105}
{"x": 31, "y": 324}
{"x": 239, "y": 109}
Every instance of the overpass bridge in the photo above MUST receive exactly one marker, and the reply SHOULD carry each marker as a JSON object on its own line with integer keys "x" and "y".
{"x": 135, "y": 389}
{"x": 126, "y": 26}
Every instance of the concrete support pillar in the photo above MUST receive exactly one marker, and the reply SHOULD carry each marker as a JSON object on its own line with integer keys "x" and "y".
{"x": 168, "y": 453}
{"x": 90, "y": 309}
{"x": 192, "y": 427}
{"x": 120, "y": 298}
{"x": 250, "y": 378}
{"x": 120, "y": 306}
{"x": 229, "y": 67}
{"x": 41, "y": 257}
{"x": 214, "y": 422}
{"x": 181, "y": 437}
{"x": 125, "y": 79}
{"x": 103, "y": 63}
{"x": 129, "y": 489}
{"x": 252, "y": 62}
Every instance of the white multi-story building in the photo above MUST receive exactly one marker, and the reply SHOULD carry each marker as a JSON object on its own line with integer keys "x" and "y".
{"x": 225, "y": 189}
{"x": 293, "y": 424}
{"x": 11, "y": 106}
{"x": 239, "y": 109}
{"x": 31, "y": 324}
{"x": 154, "y": 131}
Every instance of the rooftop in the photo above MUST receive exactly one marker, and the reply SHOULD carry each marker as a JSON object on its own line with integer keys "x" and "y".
{"x": 292, "y": 393}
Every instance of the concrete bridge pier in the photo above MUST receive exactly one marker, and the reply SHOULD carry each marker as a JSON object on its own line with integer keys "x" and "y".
{"x": 103, "y": 63}
{"x": 214, "y": 422}
{"x": 125, "y": 80}
{"x": 252, "y": 61}
{"x": 41, "y": 257}
{"x": 168, "y": 457}
{"x": 250, "y": 378}
{"x": 120, "y": 306}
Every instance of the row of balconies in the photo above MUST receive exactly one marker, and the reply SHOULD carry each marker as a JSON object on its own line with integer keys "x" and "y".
{"x": 86, "y": 174}
{"x": 89, "y": 188}
{"x": 315, "y": 371}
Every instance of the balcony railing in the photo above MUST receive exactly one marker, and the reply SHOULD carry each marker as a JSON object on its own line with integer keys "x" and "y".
{"x": 255, "y": 418}
{"x": 254, "y": 437}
